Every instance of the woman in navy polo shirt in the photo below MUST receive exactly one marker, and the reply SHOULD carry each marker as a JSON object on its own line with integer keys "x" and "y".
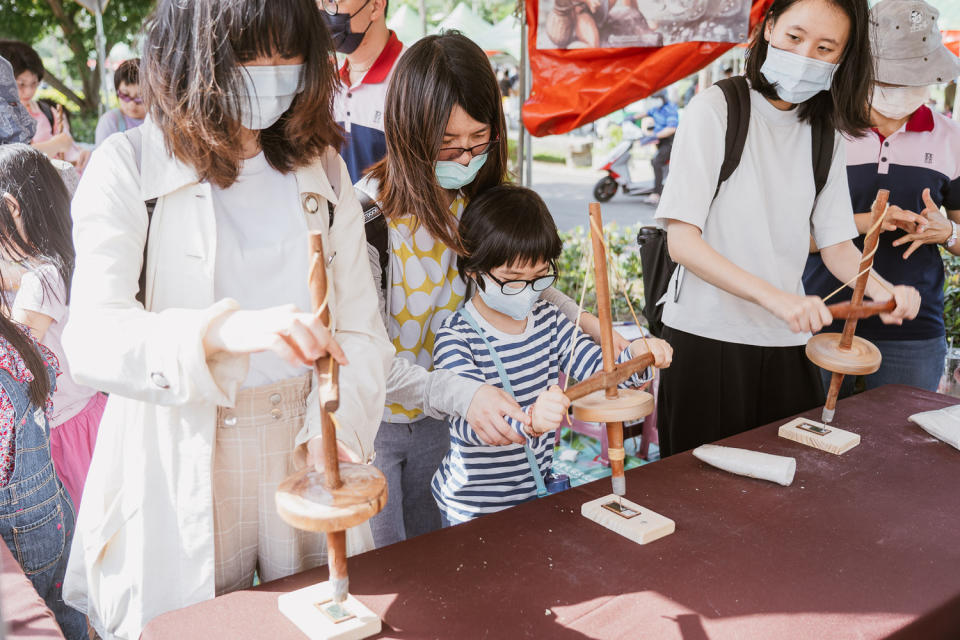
{"x": 915, "y": 154}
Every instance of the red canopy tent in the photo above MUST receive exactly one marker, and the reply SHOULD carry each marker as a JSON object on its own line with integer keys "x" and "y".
{"x": 573, "y": 87}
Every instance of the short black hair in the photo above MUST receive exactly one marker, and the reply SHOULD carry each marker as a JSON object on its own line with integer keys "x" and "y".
{"x": 22, "y": 57}
{"x": 504, "y": 225}
{"x": 127, "y": 73}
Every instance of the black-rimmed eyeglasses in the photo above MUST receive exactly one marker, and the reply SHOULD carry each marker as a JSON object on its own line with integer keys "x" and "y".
{"x": 452, "y": 153}
{"x": 513, "y": 287}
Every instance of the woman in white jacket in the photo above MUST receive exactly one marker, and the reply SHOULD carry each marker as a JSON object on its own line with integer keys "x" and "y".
{"x": 209, "y": 376}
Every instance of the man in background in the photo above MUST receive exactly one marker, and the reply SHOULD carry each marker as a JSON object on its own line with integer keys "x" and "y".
{"x": 359, "y": 30}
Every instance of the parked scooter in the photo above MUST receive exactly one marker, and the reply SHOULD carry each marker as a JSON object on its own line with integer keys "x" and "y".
{"x": 617, "y": 166}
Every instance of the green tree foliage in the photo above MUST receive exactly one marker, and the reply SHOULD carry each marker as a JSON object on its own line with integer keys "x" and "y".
{"x": 31, "y": 20}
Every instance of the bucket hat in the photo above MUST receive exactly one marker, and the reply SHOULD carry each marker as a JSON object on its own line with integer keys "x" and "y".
{"x": 907, "y": 44}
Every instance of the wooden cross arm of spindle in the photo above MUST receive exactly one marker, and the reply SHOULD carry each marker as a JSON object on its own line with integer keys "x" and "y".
{"x": 849, "y": 311}
{"x": 607, "y": 379}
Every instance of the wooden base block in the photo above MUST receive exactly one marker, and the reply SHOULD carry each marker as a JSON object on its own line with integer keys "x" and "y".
{"x": 637, "y": 523}
{"x": 819, "y": 436}
{"x": 306, "y": 609}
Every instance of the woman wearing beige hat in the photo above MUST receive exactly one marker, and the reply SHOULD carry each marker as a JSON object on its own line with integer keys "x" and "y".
{"x": 915, "y": 153}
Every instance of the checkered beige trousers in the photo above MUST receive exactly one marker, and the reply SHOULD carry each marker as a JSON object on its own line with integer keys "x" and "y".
{"x": 254, "y": 454}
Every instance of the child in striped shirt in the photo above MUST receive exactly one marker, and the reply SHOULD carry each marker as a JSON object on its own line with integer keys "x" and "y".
{"x": 505, "y": 336}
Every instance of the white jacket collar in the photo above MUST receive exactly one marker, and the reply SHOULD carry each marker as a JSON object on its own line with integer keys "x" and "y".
{"x": 161, "y": 173}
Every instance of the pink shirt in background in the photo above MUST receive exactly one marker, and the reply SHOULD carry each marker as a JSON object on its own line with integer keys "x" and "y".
{"x": 44, "y": 130}
{"x": 69, "y": 398}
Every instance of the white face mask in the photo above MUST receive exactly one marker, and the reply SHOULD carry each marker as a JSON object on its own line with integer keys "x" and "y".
{"x": 797, "y": 78}
{"x": 268, "y": 93}
{"x": 517, "y": 306}
{"x": 899, "y": 102}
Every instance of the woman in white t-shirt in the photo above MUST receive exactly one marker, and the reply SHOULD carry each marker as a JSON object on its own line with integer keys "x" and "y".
{"x": 209, "y": 375}
{"x": 35, "y": 230}
{"x": 736, "y": 313}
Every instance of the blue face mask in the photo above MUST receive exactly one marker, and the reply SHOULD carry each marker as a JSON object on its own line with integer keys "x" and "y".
{"x": 797, "y": 78}
{"x": 517, "y": 306}
{"x": 453, "y": 175}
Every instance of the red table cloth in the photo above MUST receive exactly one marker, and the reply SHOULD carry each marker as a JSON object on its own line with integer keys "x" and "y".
{"x": 863, "y": 545}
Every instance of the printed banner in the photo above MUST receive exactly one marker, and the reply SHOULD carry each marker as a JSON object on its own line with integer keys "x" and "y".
{"x": 574, "y": 86}
{"x": 600, "y": 24}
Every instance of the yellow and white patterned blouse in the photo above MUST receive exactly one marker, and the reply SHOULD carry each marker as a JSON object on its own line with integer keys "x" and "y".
{"x": 425, "y": 289}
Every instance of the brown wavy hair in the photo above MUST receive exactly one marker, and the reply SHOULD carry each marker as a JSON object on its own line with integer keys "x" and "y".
{"x": 192, "y": 84}
{"x": 435, "y": 74}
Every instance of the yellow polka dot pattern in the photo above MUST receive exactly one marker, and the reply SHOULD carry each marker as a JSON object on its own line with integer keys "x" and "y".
{"x": 426, "y": 289}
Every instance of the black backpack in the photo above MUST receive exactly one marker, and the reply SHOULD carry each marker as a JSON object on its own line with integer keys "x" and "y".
{"x": 655, "y": 262}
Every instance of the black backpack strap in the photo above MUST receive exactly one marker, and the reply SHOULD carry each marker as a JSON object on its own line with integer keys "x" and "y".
{"x": 46, "y": 110}
{"x": 736, "y": 92}
{"x": 822, "y": 135}
{"x": 135, "y": 137}
{"x": 375, "y": 228}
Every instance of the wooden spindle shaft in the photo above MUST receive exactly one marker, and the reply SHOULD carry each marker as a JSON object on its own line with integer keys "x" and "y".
{"x": 835, "y": 381}
{"x": 616, "y": 454}
{"x": 337, "y": 564}
{"x": 615, "y": 451}
{"x": 603, "y": 292}
{"x": 869, "y": 245}
{"x": 327, "y": 371}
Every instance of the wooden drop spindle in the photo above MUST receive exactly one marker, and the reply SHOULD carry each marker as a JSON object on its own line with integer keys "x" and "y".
{"x": 856, "y": 300}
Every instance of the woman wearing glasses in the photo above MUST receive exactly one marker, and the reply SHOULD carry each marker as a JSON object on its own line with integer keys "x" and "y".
{"x": 446, "y": 144}
{"x": 131, "y": 112}
{"x": 208, "y": 367}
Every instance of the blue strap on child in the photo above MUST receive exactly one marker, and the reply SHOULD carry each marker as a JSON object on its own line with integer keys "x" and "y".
{"x": 498, "y": 363}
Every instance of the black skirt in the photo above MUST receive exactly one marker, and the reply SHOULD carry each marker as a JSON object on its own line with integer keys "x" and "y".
{"x": 715, "y": 389}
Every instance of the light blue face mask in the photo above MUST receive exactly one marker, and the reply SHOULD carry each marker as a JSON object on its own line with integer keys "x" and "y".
{"x": 517, "y": 306}
{"x": 268, "y": 92}
{"x": 453, "y": 175}
{"x": 797, "y": 78}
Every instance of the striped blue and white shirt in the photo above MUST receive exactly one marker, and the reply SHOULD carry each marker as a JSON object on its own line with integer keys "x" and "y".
{"x": 475, "y": 478}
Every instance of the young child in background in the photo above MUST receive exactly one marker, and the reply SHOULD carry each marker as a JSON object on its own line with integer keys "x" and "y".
{"x": 36, "y": 517}
{"x": 35, "y": 230}
{"x": 511, "y": 259}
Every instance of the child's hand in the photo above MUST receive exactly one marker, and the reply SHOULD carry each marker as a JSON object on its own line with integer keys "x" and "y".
{"x": 661, "y": 350}
{"x": 549, "y": 410}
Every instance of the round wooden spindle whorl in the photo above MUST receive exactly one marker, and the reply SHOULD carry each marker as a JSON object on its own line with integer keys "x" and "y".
{"x": 630, "y": 404}
{"x": 305, "y": 502}
{"x": 861, "y": 359}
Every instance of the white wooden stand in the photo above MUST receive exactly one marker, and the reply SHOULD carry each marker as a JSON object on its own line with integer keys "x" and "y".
{"x": 303, "y": 608}
{"x": 819, "y": 436}
{"x": 643, "y": 528}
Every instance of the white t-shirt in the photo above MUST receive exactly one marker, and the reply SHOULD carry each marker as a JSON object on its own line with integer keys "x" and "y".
{"x": 262, "y": 252}
{"x": 761, "y": 219}
{"x": 69, "y": 398}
